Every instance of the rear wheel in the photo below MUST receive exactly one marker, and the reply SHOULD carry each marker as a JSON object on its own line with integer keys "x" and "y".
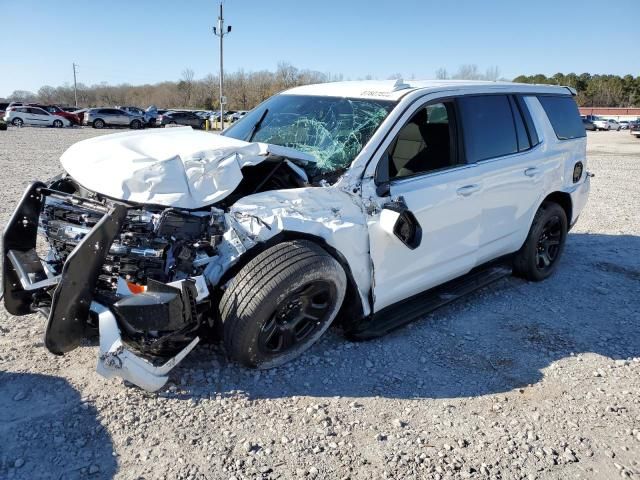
{"x": 538, "y": 257}
{"x": 281, "y": 303}
{"x": 135, "y": 124}
{"x": 202, "y": 125}
{"x": 17, "y": 122}
{"x": 98, "y": 123}
{"x": 58, "y": 124}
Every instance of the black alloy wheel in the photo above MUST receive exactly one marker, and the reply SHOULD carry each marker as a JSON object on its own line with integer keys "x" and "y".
{"x": 548, "y": 246}
{"x": 297, "y": 318}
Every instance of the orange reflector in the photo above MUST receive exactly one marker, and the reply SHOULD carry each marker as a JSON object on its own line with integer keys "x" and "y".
{"x": 135, "y": 288}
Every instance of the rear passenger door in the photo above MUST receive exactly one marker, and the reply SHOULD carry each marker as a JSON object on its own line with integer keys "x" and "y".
{"x": 500, "y": 140}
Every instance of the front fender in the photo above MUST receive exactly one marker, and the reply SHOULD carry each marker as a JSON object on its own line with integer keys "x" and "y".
{"x": 327, "y": 213}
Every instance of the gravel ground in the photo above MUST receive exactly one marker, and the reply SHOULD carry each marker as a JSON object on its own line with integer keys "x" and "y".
{"x": 520, "y": 380}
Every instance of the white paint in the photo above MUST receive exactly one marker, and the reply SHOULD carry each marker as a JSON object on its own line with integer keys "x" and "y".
{"x": 115, "y": 360}
{"x": 177, "y": 167}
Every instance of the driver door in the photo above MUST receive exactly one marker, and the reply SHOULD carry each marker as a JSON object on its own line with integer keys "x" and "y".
{"x": 426, "y": 174}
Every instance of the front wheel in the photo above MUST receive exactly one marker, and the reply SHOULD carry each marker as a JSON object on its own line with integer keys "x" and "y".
{"x": 98, "y": 123}
{"x": 281, "y": 303}
{"x": 135, "y": 124}
{"x": 17, "y": 122}
{"x": 538, "y": 257}
{"x": 57, "y": 124}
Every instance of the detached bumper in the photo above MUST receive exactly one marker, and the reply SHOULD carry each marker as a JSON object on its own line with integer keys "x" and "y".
{"x": 116, "y": 361}
{"x": 67, "y": 299}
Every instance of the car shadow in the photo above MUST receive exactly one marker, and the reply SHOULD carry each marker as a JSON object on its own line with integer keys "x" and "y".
{"x": 495, "y": 340}
{"x": 47, "y": 431}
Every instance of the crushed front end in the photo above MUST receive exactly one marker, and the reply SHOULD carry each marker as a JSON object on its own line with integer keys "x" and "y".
{"x": 133, "y": 273}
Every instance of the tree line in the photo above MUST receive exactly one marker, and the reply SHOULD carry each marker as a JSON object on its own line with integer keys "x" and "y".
{"x": 244, "y": 90}
{"x": 594, "y": 90}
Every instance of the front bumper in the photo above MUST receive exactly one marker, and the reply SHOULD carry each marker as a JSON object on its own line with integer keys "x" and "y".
{"x": 67, "y": 299}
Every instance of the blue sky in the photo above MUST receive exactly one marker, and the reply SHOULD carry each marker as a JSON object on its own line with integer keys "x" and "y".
{"x": 145, "y": 41}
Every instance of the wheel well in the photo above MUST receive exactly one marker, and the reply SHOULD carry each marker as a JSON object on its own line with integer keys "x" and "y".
{"x": 351, "y": 310}
{"x": 564, "y": 200}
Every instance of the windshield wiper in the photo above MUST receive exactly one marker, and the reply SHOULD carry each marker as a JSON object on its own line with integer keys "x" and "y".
{"x": 256, "y": 126}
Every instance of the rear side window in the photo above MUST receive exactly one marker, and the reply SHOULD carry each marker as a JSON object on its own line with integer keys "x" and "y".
{"x": 564, "y": 116}
{"x": 488, "y": 127}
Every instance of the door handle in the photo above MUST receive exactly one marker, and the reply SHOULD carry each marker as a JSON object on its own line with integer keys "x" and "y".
{"x": 531, "y": 172}
{"x": 468, "y": 190}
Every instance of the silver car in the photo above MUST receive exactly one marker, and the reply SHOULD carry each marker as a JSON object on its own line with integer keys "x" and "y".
{"x": 112, "y": 117}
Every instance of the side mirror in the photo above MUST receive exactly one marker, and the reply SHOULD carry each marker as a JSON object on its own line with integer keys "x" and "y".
{"x": 396, "y": 219}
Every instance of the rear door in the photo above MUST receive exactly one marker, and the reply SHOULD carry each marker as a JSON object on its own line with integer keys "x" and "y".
{"x": 39, "y": 117}
{"x": 500, "y": 141}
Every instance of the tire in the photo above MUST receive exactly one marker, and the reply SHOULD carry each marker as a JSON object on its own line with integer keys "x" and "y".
{"x": 17, "y": 122}
{"x": 98, "y": 123}
{"x": 280, "y": 303}
{"x": 58, "y": 124}
{"x": 202, "y": 125}
{"x": 135, "y": 124}
{"x": 538, "y": 258}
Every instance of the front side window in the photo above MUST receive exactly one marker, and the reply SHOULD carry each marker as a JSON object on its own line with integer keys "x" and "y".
{"x": 331, "y": 129}
{"x": 425, "y": 143}
{"x": 488, "y": 126}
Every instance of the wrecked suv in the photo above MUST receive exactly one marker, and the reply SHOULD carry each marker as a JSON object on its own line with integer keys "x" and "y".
{"x": 364, "y": 203}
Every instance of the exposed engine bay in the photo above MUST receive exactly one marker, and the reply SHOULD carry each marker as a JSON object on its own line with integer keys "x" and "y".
{"x": 156, "y": 246}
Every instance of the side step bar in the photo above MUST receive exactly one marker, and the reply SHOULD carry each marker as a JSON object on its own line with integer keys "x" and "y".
{"x": 418, "y": 306}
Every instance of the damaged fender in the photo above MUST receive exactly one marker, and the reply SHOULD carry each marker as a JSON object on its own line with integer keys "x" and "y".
{"x": 328, "y": 213}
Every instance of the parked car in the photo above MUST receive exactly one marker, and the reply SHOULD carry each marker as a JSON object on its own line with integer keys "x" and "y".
{"x": 55, "y": 110}
{"x": 3, "y": 108}
{"x": 606, "y": 124}
{"x": 624, "y": 124}
{"x": 634, "y": 128}
{"x": 149, "y": 116}
{"x": 111, "y": 117}
{"x": 368, "y": 203}
{"x": 181, "y": 118}
{"x": 589, "y": 125}
{"x": 28, "y": 115}
{"x": 238, "y": 115}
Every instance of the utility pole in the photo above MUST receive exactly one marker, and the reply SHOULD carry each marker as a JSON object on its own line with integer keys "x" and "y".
{"x": 220, "y": 31}
{"x": 75, "y": 85}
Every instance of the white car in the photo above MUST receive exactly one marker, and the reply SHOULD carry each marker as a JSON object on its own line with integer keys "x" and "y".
{"x": 364, "y": 203}
{"x": 26, "y": 115}
{"x": 606, "y": 124}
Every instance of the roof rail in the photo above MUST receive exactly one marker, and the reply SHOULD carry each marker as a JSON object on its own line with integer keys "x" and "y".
{"x": 573, "y": 91}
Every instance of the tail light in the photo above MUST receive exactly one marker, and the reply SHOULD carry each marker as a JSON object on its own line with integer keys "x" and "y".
{"x": 577, "y": 172}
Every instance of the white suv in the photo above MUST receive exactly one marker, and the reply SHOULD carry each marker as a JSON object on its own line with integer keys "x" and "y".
{"x": 28, "y": 115}
{"x": 369, "y": 202}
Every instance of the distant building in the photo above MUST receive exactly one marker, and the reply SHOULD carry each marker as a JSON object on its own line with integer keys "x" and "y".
{"x": 612, "y": 112}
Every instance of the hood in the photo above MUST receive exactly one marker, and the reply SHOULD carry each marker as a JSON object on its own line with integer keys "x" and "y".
{"x": 173, "y": 167}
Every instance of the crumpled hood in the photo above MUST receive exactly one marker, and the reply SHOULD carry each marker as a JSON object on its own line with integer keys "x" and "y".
{"x": 174, "y": 167}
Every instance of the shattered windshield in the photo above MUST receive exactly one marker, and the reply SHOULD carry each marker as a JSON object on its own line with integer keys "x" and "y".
{"x": 332, "y": 129}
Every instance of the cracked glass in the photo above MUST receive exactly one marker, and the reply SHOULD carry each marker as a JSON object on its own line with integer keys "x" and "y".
{"x": 332, "y": 129}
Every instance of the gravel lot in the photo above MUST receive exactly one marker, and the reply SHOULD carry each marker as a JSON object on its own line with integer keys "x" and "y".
{"x": 520, "y": 380}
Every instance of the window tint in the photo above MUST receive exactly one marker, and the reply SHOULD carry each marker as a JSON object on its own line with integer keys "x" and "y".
{"x": 37, "y": 111}
{"x": 528, "y": 121}
{"x": 564, "y": 116}
{"x": 488, "y": 126}
{"x": 521, "y": 130}
{"x": 425, "y": 143}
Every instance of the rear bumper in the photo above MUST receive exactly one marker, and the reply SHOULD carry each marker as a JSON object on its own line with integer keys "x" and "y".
{"x": 579, "y": 198}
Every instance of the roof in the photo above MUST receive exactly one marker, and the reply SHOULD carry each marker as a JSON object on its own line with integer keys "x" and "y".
{"x": 396, "y": 89}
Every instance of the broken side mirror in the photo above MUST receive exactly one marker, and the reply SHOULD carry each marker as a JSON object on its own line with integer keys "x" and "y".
{"x": 396, "y": 219}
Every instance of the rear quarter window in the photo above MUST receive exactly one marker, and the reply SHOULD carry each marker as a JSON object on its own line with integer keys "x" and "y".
{"x": 564, "y": 116}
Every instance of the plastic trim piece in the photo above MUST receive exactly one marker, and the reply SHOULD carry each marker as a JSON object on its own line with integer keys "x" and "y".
{"x": 115, "y": 360}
